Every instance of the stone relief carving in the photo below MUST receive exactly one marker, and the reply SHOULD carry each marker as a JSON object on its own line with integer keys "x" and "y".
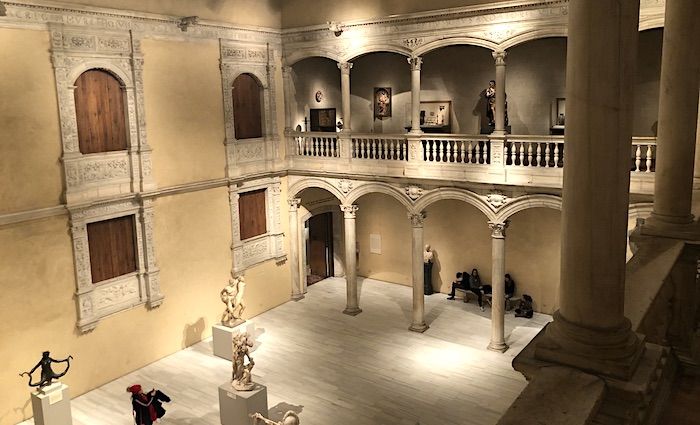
{"x": 498, "y": 230}
{"x": 412, "y": 43}
{"x": 345, "y": 186}
{"x": 417, "y": 219}
{"x": 497, "y": 200}
{"x": 414, "y": 192}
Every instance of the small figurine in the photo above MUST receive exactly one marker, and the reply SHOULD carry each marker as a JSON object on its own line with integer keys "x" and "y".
{"x": 289, "y": 418}
{"x": 232, "y": 296}
{"x": 147, "y": 408}
{"x": 47, "y": 374}
{"x": 242, "y": 377}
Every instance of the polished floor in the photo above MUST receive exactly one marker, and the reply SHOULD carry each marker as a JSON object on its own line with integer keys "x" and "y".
{"x": 336, "y": 369}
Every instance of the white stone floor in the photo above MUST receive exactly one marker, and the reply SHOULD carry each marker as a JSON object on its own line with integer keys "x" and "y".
{"x": 337, "y": 369}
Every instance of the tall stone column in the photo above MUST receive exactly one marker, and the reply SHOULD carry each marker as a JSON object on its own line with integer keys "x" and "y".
{"x": 415, "y": 63}
{"x": 500, "y": 118}
{"x": 418, "y": 323}
{"x": 353, "y": 306}
{"x": 590, "y": 331}
{"x": 297, "y": 289}
{"x": 498, "y": 285}
{"x": 288, "y": 97}
{"x": 345, "y": 68}
{"x": 678, "y": 115}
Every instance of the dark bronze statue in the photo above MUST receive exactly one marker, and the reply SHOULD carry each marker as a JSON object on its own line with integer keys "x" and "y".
{"x": 47, "y": 374}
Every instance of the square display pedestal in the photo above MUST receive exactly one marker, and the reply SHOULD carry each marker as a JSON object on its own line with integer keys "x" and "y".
{"x": 235, "y": 407}
{"x": 222, "y": 337}
{"x": 51, "y": 406}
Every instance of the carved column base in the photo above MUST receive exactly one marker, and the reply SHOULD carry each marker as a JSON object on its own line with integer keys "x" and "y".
{"x": 671, "y": 227}
{"x": 500, "y": 347}
{"x": 418, "y": 327}
{"x": 609, "y": 352}
{"x": 297, "y": 297}
{"x": 352, "y": 311}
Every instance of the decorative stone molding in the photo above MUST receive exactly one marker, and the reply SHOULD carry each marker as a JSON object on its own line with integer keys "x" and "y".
{"x": 412, "y": 43}
{"x": 101, "y": 299}
{"x": 415, "y": 63}
{"x": 270, "y": 245}
{"x": 497, "y": 200}
{"x": 499, "y": 57}
{"x": 249, "y": 155}
{"x": 345, "y": 185}
{"x": 294, "y": 204}
{"x": 345, "y": 67}
{"x": 186, "y": 22}
{"x": 349, "y": 211}
{"x": 414, "y": 192}
{"x": 417, "y": 219}
{"x": 92, "y": 176}
{"x": 498, "y": 230}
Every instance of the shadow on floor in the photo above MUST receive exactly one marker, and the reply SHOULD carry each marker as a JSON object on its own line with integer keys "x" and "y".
{"x": 275, "y": 413}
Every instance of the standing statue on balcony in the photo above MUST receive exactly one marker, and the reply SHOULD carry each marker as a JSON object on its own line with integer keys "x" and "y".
{"x": 232, "y": 296}
{"x": 490, "y": 95}
{"x": 47, "y": 374}
{"x": 242, "y": 377}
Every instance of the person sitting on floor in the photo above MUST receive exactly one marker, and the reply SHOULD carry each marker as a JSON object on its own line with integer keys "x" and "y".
{"x": 475, "y": 287}
{"x": 524, "y": 307}
{"x": 459, "y": 282}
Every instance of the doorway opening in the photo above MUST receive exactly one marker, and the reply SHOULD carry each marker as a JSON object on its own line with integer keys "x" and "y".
{"x": 319, "y": 248}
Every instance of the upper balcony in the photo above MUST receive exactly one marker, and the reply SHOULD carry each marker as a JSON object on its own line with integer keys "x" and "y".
{"x": 534, "y": 161}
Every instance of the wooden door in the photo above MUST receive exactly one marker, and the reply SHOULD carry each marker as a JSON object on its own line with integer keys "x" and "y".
{"x": 321, "y": 245}
{"x": 247, "y": 111}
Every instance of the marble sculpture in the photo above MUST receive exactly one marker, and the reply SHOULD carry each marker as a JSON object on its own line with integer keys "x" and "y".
{"x": 242, "y": 377}
{"x": 232, "y": 296}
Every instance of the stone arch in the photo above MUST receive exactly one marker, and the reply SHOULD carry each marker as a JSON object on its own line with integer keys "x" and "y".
{"x": 319, "y": 183}
{"x": 384, "y": 188}
{"x": 537, "y": 34}
{"x": 455, "y": 194}
{"x": 526, "y": 202}
{"x": 454, "y": 41}
{"x": 118, "y": 73}
{"x": 376, "y": 48}
{"x": 253, "y": 72}
{"x": 301, "y": 54}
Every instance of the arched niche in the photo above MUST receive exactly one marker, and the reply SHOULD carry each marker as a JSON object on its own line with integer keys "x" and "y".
{"x": 100, "y": 112}
{"x": 247, "y": 93}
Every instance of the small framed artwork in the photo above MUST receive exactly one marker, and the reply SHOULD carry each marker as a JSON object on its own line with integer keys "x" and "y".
{"x": 435, "y": 113}
{"x": 382, "y": 102}
{"x": 322, "y": 119}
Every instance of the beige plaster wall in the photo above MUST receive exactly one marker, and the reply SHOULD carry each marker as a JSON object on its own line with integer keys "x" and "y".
{"x": 184, "y": 110}
{"x": 265, "y": 13}
{"x": 296, "y": 12}
{"x": 30, "y": 144}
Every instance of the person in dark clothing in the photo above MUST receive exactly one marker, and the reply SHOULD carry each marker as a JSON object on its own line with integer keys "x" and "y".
{"x": 510, "y": 286}
{"x": 147, "y": 408}
{"x": 475, "y": 287}
{"x": 524, "y": 307}
{"x": 459, "y": 282}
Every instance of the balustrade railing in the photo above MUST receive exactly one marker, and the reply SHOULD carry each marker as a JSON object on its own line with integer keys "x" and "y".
{"x": 316, "y": 144}
{"x": 456, "y": 149}
{"x": 644, "y": 154}
{"x": 379, "y": 146}
{"x": 534, "y": 151}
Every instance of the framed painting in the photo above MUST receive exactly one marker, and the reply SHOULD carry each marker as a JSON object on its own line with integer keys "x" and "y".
{"x": 323, "y": 119}
{"x": 382, "y": 102}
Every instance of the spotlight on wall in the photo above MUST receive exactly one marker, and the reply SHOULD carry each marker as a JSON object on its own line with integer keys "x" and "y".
{"x": 187, "y": 21}
{"x": 335, "y": 27}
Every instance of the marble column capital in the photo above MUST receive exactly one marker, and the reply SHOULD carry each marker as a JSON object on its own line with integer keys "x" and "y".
{"x": 293, "y": 204}
{"x": 499, "y": 57}
{"x": 286, "y": 70}
{"x": 349, "y": 211}
{"x": 415, "y": 63}
{"x": 417, "y": 219}
{"x": 498, "y": 230}
{"x": 345, "y": 67}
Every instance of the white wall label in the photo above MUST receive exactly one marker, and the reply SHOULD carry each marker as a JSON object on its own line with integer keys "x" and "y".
{"x": 375, "y": 243}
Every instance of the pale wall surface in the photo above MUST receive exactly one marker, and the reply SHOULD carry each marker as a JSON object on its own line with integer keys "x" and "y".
{"x": 646, "y": 88}
{"x": 312, "y": 75}
{"x": 295, "y": 13}
{"x": 30, "y": 142}
{"x": 184, "y": 110}
{"x": 265, "y": 13}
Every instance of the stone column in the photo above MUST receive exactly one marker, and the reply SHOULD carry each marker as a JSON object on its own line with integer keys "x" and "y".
{"x": 353, "y": 306}
{"x": 500, "y": 118}
{"x": 297, "y": 290}
{"x": 498, "y": 295}
{"x": 345, "y": 68}
{"x": 678, "y": 115}
{"x": 415, "y": 63}
{"x": 418, "y": 323}
{"x": 288, "y": 97}
{"x": 696, "y": 173}
{"x": 590, "y": 331}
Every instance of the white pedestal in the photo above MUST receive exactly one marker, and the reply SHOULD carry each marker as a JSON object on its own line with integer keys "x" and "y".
{"x": 222, "y": 338}
{"x": 51, "y": 406}
{"x": 235, "y": 407}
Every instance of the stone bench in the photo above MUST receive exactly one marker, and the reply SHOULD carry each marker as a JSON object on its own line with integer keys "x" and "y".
{"x": 466, "y": 293}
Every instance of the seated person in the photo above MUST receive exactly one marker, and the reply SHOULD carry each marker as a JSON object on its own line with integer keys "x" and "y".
{"x": 524, "y": 307}
{"x": 510, "y": 286}
{"x": 475, "y": 287}
{"x": 458, "y": 283}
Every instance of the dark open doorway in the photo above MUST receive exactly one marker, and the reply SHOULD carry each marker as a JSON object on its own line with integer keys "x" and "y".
{"x": 320, "y": 248}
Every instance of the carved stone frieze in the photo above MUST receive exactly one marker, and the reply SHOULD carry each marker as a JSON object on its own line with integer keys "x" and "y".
{"x": 414, "y": 192}
{"x": 413, "y": 42}
{"x": 345, "y": 186}
{"x": 497, "y": 200}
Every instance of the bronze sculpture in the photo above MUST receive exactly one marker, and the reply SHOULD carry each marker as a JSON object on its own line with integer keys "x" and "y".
{"x": 47, "y": 374}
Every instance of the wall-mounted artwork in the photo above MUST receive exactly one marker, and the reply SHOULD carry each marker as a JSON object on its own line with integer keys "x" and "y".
{"x": 382, "y": 102}
{"x": 322, "y": 119}
{"x": 435, "y": 113}
{"x": 558, "y": 118}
